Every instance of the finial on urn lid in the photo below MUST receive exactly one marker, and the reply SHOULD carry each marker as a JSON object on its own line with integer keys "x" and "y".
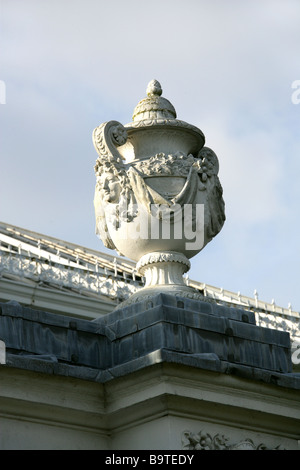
{"x": 154, "y": 106}
{"x": 154, "y": 88}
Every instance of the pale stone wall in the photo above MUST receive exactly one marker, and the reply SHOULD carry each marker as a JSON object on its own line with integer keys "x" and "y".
{"x": 160, "y": 407}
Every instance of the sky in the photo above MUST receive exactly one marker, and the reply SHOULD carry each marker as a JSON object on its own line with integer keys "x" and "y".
{"x": 228, "y": 67}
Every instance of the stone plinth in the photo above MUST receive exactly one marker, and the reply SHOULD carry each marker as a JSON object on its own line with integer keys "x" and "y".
{"x": 198, "y": 331}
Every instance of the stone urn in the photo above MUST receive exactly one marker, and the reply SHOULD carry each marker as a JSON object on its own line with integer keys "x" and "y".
{"x": 158, "y": 199}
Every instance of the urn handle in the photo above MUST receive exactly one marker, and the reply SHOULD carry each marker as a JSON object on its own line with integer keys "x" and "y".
{"x": 106, "y": 138}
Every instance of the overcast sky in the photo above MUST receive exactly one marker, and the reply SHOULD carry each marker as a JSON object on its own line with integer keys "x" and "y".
{"x": 227, "y": 67}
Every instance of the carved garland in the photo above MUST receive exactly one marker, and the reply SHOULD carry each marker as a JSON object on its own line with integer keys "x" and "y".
{"x": 112, "y": 134}
{"x": 206, "y": 164}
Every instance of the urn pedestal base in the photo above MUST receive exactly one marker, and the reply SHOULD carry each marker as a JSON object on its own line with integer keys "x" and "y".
{"x": 163, "y": 272}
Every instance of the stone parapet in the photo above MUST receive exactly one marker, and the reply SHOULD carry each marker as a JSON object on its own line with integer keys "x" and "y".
{"x": 166, "y": 373}
{"x": 165, "y": 328}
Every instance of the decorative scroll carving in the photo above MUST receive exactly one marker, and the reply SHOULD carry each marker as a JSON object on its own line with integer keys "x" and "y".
{"x": 111, "y": 176}
{"x": 204, "y": 441}
{"x": 112, "y": 182}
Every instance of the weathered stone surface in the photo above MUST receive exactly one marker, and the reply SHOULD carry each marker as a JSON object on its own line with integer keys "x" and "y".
{"x": 166, "y": 326}
{"x": 30, "y": 332}
{"x": 171, "y": 329}
{"x": 185, "y": 303}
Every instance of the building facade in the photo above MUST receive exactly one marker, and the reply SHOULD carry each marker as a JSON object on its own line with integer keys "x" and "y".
{"x": 77, "y": 373}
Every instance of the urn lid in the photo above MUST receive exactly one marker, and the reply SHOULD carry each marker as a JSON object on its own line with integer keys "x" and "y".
{"x": 154, "y": 106}
{"x": 155, "y": 129}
